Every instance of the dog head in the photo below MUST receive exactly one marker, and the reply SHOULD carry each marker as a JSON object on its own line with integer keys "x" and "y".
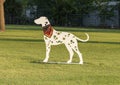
{"x": 42, "y": 21}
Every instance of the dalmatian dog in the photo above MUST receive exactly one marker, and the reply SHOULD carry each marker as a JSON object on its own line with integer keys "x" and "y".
{"x": 53, "y": 37}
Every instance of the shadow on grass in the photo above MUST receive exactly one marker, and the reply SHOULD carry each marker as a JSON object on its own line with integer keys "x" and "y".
{"x": 89, "y": 30}
{"x": 67, "y": 29}
{"x": 51, "y": 62}
{"x": 59, "y": 63}
{"x": 102, "y": 42}
{"x": 22, "y": 40}
{"x": 40, "y": 62}
{"x": 41, "y": 40}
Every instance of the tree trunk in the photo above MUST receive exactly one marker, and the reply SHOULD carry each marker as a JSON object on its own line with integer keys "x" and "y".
{"x": 119, "y": 14}
{"x": 2, "y": 21}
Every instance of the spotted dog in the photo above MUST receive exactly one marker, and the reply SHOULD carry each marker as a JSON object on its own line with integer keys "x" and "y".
{"x": 53, "y": 37}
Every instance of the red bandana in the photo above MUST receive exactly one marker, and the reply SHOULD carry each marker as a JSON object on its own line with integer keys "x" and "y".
{"x": 48, "y": 30}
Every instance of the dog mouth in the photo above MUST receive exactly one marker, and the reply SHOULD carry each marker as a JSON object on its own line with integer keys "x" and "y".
{"x": 46, "y": 27}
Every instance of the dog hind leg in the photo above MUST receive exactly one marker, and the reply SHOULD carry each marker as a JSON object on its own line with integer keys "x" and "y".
{"x": 75, "y": 48}
{"x": 71, "y": 53}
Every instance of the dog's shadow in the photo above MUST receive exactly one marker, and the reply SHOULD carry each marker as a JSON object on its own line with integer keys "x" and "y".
{"x": 60, "y": 63}
{"x": 37, "y": 62}
{"x": 41, "y": 62}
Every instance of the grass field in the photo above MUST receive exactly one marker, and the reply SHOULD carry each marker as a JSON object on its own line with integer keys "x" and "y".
{"x": 22, "y": 47}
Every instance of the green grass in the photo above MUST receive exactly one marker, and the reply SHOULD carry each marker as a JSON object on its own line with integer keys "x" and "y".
{"x": 22, "y": 47}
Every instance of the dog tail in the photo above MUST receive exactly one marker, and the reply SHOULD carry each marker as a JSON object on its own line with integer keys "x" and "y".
{"x": 82, "y": 39}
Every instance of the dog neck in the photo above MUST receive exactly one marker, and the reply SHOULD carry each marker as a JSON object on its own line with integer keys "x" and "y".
{"x": 48, "y": 30}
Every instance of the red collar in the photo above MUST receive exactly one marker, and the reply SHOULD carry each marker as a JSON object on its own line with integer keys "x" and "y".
{"x": 48, "y": 30}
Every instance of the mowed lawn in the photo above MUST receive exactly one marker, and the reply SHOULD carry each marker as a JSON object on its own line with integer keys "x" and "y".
{"x": 22, "y": 48}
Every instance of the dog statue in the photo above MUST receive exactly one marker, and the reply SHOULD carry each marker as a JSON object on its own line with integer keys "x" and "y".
{"x": 53, "y": 37}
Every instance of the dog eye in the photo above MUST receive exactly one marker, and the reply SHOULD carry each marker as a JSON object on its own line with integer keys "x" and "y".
{"x": 46, "y": 23}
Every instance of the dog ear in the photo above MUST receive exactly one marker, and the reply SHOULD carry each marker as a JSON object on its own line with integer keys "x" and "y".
{"x": 46, "y": 18}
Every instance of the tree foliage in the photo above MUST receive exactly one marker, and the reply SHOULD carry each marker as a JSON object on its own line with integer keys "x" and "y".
{"x": 105, "y": 9}
{"x": 59, "y": 11}
{"x": 13, "y": 8}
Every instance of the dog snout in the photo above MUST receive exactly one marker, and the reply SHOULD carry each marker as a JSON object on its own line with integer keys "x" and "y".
{"x": 35, "y": 21}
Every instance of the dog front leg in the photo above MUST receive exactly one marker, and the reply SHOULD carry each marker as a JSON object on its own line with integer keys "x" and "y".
{"x": 48, "y": 47}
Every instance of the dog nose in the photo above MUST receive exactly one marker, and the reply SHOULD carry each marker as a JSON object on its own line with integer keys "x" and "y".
{"x": 34, "y": 21}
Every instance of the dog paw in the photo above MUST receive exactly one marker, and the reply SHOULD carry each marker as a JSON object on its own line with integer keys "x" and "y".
{"x": 45, "y": 61}
{"x": 69, "y": 61}
{"x": 80, "y": 62}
